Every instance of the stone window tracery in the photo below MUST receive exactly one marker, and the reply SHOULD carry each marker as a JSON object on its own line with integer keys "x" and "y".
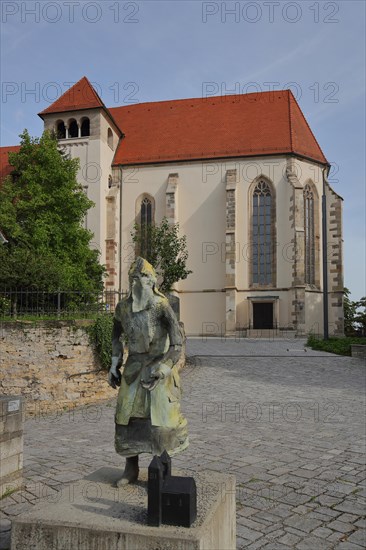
{"x": 145, "y": 218}
{"x": 262, "y": 234}
{"x": 309, "y": 235}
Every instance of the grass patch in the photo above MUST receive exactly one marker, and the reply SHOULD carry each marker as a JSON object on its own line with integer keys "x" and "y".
{"x": 339, "y": 346}
{"x": 50, "y": 317}
{"x": 7, "y": 493}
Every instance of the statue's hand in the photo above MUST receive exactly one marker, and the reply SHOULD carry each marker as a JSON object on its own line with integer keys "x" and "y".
{"x": 114, "y": 377}
{"x": 173, "y": 354}
{"x": 155, "y": 376}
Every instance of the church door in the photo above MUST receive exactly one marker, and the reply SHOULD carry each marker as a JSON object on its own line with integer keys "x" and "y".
{"x": 262, "y": 315}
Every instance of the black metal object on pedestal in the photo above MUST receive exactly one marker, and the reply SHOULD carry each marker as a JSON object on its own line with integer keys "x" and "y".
{"x": 171, "y": 499}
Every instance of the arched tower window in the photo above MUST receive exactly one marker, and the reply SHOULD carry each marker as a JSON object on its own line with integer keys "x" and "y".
{"x": 110, "y": 139}
{"x": 85, "y": 127}
{"x": 60, "y": 130}
{"x": 263, "y": 234}
{"x": 73, "y": 129}
{"x": 309, "y": 235}
{"x": 145, "y": 219}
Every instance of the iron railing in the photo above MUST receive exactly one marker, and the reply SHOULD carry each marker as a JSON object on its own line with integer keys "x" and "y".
{"x": 17, "y": 303}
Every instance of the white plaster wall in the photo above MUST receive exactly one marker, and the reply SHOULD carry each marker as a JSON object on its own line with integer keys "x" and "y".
{"x": 203, "y": 313}
{"x": 314, "y": 312}
{"x": 201, "y": 214}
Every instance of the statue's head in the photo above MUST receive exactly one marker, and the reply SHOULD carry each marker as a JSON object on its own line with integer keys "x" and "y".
{"x": 142, "y": 279}
{"x": 141, "y": 268}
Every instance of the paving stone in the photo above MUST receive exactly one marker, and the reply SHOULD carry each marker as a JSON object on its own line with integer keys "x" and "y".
{"x": 341, "y": 526}
{"x": 294, "y": 498}
{"x": 358, "y": 537}
{"x": 337, "y": 537}
{"x": 348, "y": 518}
{"x": 328, "y": 511}
{"x": 246, "y": 511}
{"x": 275, "y": 546}
{"x": 247, "y": 533}
{"x": 300, "y": 470}
{"x": 346, "y": 545}
{"x": 312, "y": 543}
{"x": 241, "y": 543}
{"x": 322, "y": 532}
{"x": 302, "y": 523}
{"x": 289, "y": 539}
{"x": 247, "y": 522}
{"x": 361, "y": 523}
{"x": 351, "y": 506}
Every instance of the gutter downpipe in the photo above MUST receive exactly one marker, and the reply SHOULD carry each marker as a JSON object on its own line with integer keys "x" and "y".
{"x": 325, "y": 172}
{"x": 120, "y": 234}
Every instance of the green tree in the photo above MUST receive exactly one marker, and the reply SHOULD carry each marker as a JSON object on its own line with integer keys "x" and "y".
{"x": 165, "y": 250}
{"x": 349, "y": 310}
{"x": 42, "y": 208}
{"x": 360, "y": 315}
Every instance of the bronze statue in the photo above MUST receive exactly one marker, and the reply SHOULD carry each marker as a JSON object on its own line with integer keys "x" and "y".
{"x": 148, "y": 417}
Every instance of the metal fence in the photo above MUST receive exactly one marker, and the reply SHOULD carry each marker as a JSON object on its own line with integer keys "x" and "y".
{"x": 17, "y": 303}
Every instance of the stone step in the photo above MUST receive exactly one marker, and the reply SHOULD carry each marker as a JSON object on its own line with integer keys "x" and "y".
{"x": 270, "y": 333}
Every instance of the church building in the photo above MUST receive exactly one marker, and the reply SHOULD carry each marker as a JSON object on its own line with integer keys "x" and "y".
{"x": 245, "y": 178}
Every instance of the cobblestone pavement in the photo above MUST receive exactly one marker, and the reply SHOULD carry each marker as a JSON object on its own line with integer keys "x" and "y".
{"x": 289, "y": 424}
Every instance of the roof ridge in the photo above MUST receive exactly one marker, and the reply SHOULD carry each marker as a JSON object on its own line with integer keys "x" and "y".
{"x": 92, "y": 87}
{"x": 203, "y": 99}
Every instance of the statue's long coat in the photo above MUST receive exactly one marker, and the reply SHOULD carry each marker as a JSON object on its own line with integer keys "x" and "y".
{"x": 149, "y": 334}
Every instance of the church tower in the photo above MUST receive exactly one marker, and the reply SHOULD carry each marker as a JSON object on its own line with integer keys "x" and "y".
{"x": 86, "y": 130}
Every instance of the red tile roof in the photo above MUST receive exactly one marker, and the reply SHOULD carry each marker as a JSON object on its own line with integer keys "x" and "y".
{"x": 266, "y": 123}
{"x": 80, "y": 96}
{"x": 5, "y": 167}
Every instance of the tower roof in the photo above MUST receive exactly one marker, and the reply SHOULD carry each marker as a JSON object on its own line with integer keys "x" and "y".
{"x": 264, "y": 123}
{"x": 80, "y": 96}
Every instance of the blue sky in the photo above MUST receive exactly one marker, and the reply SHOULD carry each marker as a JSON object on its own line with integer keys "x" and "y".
{"x": 156, "y": 50}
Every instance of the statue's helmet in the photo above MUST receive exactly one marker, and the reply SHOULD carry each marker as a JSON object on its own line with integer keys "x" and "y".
{"x": 142, "y": 267}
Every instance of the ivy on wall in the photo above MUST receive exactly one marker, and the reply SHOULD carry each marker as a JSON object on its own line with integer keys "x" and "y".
{"x": 100, "y": 334}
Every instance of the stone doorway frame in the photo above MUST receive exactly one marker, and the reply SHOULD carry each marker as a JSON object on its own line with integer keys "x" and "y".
{"x": 275, "y": 300}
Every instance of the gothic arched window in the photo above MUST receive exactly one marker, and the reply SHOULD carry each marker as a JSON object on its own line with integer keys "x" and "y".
{"x": 85, "y": 127}
{"x": 309, "y": 235}
{"x": 263, "y": 234}
{"x": 60, "y": 130}
{"x": 145, "y": 219}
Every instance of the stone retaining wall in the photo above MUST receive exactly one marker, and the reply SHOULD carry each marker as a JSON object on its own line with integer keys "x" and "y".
{"x": 358, "y": 350}
{"x": 51, "y": 364}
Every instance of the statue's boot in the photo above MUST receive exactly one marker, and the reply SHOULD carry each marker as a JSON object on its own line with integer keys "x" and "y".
{"x": 131, "y": 472}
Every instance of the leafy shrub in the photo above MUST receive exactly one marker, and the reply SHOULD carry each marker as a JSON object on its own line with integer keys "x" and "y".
{"x": 5, "y": 305}
{"x": 339, "y": 346}
{"x": 101, "y": 337}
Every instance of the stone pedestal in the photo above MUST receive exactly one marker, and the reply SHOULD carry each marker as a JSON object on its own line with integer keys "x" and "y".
{"x": 11, "y": 443}
{"x": 94, "y": 515}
